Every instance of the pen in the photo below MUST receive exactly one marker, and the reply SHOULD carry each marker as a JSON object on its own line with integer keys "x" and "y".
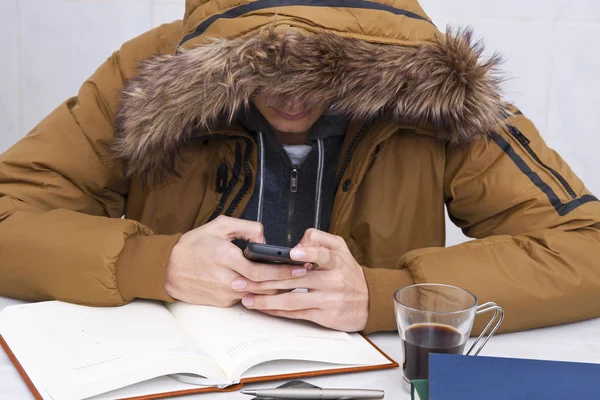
{"x": 316, "y": 393}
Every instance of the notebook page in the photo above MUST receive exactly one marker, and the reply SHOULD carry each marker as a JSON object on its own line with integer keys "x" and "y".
{"x": 163, "y": 384}
{"x": 280, "y": 367}
{"x": 238, "y": 338}
{"x": 77, "y": 351}
{"x": 356, "y": 352}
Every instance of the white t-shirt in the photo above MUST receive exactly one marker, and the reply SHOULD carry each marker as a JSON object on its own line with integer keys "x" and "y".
{"x": 297, "y": 152}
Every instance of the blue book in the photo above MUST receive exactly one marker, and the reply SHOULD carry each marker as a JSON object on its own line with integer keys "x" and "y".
{"x": 458, "y": 377}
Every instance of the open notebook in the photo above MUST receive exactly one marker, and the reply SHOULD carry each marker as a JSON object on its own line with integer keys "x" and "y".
{"x": 146, "y": 349}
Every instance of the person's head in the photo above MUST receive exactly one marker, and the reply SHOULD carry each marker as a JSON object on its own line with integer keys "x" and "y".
{"x": 287, "y": 117}
{"x": 408, "y": 72}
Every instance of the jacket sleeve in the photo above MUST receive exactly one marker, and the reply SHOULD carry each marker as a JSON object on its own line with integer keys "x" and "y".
{"x": 537, "y": 228}
{"x": 62, "y": 198}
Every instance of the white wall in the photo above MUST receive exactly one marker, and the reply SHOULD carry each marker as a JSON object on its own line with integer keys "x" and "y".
{"x": 551, "y": 50}
{"x": 551, "y": 47}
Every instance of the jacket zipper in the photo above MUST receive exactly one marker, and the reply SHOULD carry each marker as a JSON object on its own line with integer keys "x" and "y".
{"x": 247, "y": 177}
{"x": 349, "y": 153}
{"x": 294, "y": 180}
{"x": 357, "y": 138}
{"x": 517, "y": 134}
{"x": 294, "y": 173}
{"x": 292, "y": 203}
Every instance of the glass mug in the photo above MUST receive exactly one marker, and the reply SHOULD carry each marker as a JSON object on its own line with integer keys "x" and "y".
{"x": 436, "y": 318}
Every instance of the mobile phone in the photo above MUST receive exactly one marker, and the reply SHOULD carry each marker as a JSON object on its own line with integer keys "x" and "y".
{"x": 269, "y": 254}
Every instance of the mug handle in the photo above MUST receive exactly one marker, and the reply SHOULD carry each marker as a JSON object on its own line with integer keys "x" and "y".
{"x": 498, "y": 314}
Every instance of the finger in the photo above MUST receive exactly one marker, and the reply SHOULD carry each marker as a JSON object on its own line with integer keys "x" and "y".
{"x": 286, "y": 301}
{"x": 266, "y": 292}
{"x": 239, "y": 285}
{"x": 315, "y": 238}
{"x": 322, "y": 256}
{"x": 259, "y": 272}
{"x": 233, "y": 228}
{"x": 311, "y": 281}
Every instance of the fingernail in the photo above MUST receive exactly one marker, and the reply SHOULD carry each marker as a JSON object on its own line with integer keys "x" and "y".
{"x": 309, "y": 266}
{"x": 239, "y": 284}
{"x": 248, "y": 302}
{"x": 297, "y": 254}
{"x": 299, "y": 272}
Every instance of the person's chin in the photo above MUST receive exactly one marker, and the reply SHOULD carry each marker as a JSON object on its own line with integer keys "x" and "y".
{"x": 293, "y": 128}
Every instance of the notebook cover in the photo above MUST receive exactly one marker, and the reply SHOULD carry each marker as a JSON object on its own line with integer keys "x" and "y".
{"x": 419, "y": 389}
{"x": 233, "y": 388}
{"x": 458, "y": 377}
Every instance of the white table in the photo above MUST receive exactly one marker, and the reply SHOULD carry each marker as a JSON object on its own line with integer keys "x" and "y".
{"x": 574, "y": 342}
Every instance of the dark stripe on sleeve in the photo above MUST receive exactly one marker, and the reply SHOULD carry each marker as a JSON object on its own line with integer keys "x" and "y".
{"x": 562, "y": 208}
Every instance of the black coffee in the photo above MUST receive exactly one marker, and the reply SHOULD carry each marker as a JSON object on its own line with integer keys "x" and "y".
{"x": 422, "y": 339}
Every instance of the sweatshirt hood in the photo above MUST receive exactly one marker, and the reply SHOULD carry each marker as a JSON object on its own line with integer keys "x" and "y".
{"x": 358, "y": 58}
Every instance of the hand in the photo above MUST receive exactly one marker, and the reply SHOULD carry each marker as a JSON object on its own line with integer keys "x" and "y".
{"x": 337, "y": 296}
{"x": 204, "y": 266}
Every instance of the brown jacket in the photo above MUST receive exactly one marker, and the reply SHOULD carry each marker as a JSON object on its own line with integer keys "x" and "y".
{"x": 429, "y": 130}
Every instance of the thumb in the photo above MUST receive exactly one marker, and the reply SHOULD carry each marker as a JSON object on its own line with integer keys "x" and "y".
{"x": 233, "y": 228}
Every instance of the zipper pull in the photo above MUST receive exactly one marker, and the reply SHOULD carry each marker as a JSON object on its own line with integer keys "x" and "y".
{"x": 294, "y": 181}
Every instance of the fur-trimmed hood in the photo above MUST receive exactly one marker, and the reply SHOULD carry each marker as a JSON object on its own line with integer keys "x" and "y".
{"x": 443, "y": 84}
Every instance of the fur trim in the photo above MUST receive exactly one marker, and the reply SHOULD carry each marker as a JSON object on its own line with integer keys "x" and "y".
{"x": 443, "y": 84}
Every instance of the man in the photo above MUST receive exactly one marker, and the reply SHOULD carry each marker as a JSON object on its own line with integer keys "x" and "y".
{"x": 342, "y": 128}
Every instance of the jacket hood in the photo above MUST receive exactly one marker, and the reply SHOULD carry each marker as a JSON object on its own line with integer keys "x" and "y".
{"x": 412, "y": 72}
